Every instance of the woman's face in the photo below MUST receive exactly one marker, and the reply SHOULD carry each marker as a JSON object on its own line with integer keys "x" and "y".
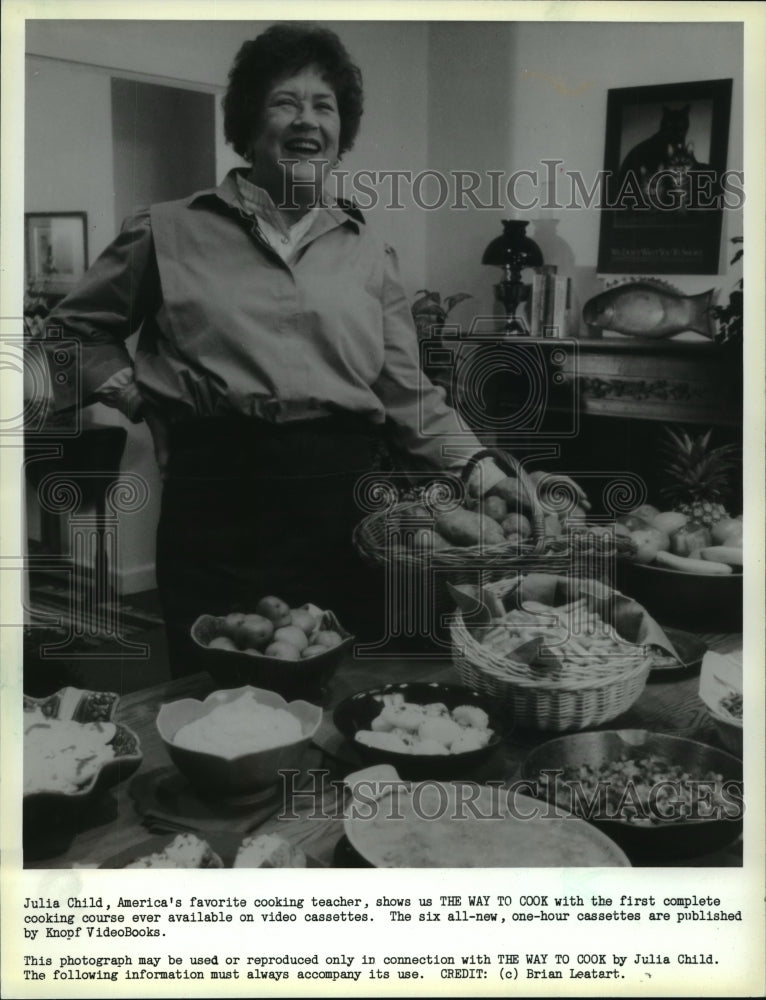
{"x": 297, "y": 140}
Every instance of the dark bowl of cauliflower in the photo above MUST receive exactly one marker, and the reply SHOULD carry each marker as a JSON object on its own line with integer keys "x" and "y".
{"x": 424, "y": 730}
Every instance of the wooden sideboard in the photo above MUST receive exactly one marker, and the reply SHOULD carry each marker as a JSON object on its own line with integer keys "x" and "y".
{"x": 673, "y": 381}
{"x": 596, "y": 408}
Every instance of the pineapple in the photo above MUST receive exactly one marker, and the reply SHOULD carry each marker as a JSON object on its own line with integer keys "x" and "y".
{"x": 698, "y": 474}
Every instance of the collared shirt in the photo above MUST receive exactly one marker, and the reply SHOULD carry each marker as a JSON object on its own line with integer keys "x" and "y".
{"x": 228, "y": 327}
{"x": 280, "y": 237}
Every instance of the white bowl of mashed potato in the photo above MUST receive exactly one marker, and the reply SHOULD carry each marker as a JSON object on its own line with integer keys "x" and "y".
{"x": 235, "y": 742}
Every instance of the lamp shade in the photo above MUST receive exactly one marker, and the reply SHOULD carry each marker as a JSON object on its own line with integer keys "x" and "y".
{"x": 513, "y": 248}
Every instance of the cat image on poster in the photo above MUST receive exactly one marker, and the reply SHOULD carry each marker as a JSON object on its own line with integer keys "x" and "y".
{"x": 668, "y": 153}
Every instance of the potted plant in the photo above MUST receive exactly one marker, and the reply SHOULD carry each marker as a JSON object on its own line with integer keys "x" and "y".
{"x": 430, "y": 312}
{"x": 729, "y": 317}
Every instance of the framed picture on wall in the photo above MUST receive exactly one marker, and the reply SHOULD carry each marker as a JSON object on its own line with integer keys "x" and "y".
{"x": 56, "y": 251}
{"x": 666, "y": 179}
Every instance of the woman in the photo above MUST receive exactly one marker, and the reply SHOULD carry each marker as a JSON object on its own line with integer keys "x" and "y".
{"x": 276, "y": 346}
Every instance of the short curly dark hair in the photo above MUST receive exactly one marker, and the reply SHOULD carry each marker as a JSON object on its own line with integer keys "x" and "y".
{"x": 282, "y": 50}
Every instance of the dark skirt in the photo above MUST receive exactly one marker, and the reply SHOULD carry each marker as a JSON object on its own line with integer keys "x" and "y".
{"x": 251, "y": 509}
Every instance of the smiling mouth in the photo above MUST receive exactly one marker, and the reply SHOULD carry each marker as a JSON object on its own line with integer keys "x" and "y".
{"x": 304, "y": 147}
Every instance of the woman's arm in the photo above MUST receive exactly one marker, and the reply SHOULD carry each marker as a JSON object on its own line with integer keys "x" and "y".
{"x": 420, "y": 422}
{"x": 108, "y": 305}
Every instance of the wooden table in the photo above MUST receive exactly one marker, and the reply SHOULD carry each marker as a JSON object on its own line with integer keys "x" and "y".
{"x": 670, "y": 706}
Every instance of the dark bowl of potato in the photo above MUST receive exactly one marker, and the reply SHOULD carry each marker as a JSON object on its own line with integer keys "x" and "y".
{"x": 289, "y": 650}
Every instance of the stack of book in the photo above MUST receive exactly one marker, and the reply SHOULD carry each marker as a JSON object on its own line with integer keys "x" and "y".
{"x": 550, "y": 303}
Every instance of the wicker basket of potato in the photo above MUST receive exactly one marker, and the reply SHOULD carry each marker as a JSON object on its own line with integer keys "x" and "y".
{"x": 454, "y": 539}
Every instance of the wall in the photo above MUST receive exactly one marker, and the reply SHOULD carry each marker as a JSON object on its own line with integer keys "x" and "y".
{"x": 508, "y": 96}
{"x": 69, "y": 160}
{"x": 164, "y": 143}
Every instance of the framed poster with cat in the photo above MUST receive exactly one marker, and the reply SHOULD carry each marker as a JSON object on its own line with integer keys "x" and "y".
{"x": 665, "y": 179}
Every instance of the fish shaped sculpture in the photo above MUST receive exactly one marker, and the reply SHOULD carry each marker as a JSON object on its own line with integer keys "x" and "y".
{"x": 652, "y": 309}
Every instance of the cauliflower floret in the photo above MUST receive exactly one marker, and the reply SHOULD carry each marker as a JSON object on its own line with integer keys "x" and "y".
{"x": 382, "y": 741}
{"x": 471, "y": 715}
{"x": 444, "y": 731}
{"x": 405, "y": 716}
{"x": 381, "y": 724}
{"x": 395, "y": 700}
{"x": 436, "y": 710}
{"x": 470, "y": 739}
{"x": 407, "y": 737}
{"x": 430, "y": 747}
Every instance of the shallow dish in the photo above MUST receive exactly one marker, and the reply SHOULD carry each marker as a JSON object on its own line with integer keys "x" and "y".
{"x": 684, "y": 600}
{"x": 233, "y": 668}
{"x": 464, "y": 825}
{"x": 83, "y": 707}
{"x": 690, "y": 649}
{"x": 645, "y": 842}
{"x": 220, "y": 777}
{"x": 358, "y": 711}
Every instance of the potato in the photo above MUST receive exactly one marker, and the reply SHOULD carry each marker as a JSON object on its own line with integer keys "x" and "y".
{"x": 328, "y": 638}
{"x": 302, "y": 619}
{"x": 254, "y": 631}
{"x": 467, "y": 527}
{"x": 275, "y": 609}
{"x": 232, "y": 621}
{"x": 292, "y": 635}
{"x": 510, "y": 491}
{"x": 517, "y": 524}
{"x": 313, "y": 650}
{"x": 283, "y": 651}
{"x": 424, "y": 537}
{"x": 494, "y": 507}
{"x": 221, "y": 642}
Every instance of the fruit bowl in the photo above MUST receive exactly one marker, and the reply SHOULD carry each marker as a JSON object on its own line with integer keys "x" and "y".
{"x": 692, "y": 601}
{"x": 232, "y": 667}
{"x": 226, "y": 772}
